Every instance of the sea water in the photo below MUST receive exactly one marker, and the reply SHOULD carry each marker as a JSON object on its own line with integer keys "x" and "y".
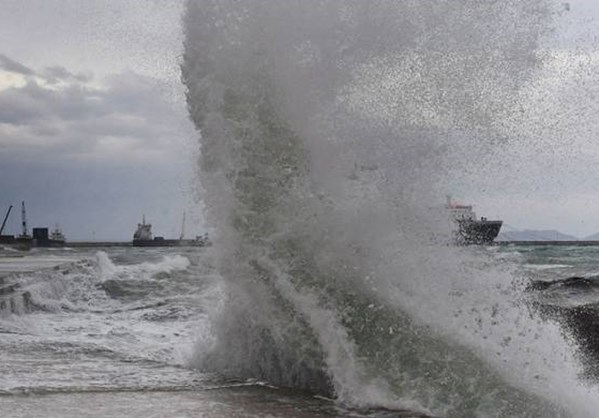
{"x": 111, "y": 332}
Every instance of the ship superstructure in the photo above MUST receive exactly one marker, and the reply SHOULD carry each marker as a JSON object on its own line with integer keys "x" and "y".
{"x": 57, "y": 235}
{"x": 143, "y": 232}
{"x": 468, "y": 230}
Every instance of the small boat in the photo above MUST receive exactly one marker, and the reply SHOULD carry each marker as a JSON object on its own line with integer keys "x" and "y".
{"x": 468, "y": 229}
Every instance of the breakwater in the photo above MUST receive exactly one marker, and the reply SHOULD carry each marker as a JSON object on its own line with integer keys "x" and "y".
{"x": 562, "y": 243}
{"x": 98, "y": 244}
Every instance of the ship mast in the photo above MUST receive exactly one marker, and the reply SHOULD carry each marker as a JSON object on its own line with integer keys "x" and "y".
{"x": 24, "y": 219}
{"x": 182, "y": 227}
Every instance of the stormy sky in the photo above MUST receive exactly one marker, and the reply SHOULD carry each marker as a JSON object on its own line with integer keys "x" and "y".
{"x": 94, "y": 130}
{"x": 544, "y": 176}
{"x": 93, "y": 126}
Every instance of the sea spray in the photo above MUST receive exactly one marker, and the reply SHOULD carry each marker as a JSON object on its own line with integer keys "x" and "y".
{"x": 329, "y": 132}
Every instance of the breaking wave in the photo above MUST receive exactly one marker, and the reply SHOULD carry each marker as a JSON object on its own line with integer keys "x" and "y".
{"x": 86, "y": 285}
{"x": 329, "y": 130}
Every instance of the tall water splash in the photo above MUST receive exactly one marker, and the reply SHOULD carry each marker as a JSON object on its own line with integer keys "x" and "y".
{"x": 329, "y": 131}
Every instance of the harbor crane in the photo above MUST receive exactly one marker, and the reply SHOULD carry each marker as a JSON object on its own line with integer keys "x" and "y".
{"x": 24, "y": 221}
{"x": 5, "y": 219}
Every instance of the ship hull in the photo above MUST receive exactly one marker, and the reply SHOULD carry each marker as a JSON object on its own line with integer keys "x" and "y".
{"x": 51, "y": 243}
{"x": 477, "y": 232}
{"x": 26, "y": 243}
{"x": 19, "y": 243}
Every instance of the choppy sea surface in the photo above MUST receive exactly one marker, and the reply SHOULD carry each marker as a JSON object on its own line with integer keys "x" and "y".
{"x": 111, "y": 332}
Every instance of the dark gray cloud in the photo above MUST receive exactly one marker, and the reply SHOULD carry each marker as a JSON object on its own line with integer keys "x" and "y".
{"x": 92, "y": 200}
{"x": 13, "y": 66}
{"x": 92, "y": 154}
{"x": 84, "y": 117}
{"x": 56, "y": 74}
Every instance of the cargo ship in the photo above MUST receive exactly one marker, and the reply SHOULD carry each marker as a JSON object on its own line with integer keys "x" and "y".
{"x": 43, "y": 239}
{"x": 143, "y": 238}
{"x": 467, "y": 229}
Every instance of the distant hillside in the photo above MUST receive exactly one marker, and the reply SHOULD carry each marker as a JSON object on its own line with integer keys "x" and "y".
{"x": 536, "y": 235}
{"x": 594, "y": 237}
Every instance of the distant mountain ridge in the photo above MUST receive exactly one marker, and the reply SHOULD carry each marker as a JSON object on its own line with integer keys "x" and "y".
{"x": 539, "y": 235}
{"x": 594, "y": 237}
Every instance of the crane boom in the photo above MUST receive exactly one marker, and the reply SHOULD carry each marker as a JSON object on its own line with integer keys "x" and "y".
{"x": 5, "y": 219}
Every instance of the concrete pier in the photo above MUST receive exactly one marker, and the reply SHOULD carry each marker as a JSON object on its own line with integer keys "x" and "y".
{"x": 97, "y": 244}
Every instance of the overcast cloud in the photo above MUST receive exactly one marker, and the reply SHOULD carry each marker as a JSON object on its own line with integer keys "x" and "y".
{"x": 94, "y": 129}
{"x": 74, "y": 118}
{"x": 93, "y": 125}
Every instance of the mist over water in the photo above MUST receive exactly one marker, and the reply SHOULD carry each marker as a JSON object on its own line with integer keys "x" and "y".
{"x": 330, "y": 132}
